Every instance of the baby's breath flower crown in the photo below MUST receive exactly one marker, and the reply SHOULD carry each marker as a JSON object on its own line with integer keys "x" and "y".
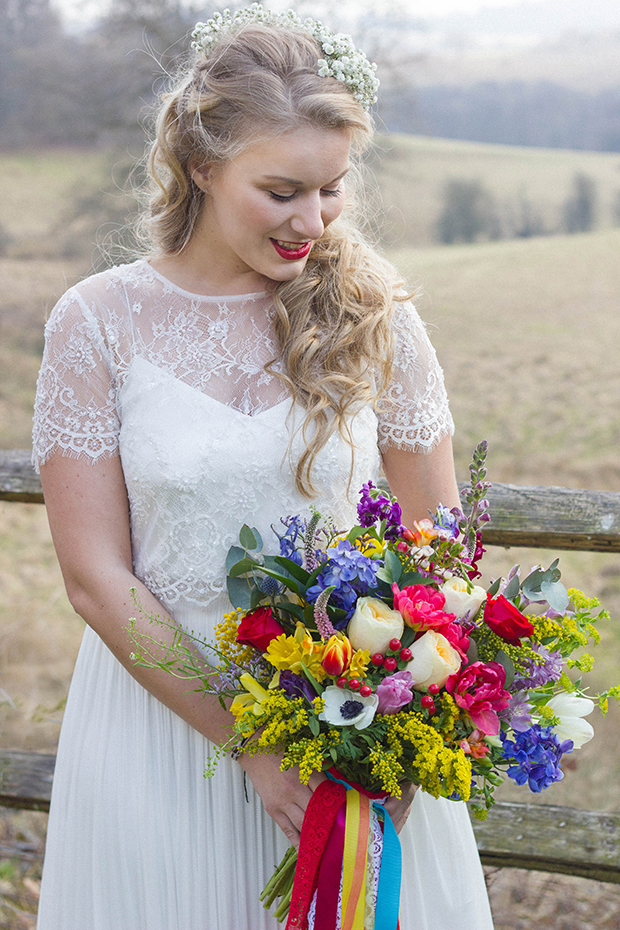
{"x": 342, "y": 60}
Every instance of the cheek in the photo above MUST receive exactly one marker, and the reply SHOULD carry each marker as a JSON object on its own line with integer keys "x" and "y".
{"x": 332, "y": 210}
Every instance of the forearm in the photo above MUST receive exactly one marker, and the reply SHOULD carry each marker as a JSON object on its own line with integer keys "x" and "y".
{"x": 106, "y": 604}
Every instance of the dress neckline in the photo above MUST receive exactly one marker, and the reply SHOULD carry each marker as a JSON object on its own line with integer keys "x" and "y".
{"x": 221, "y": 298}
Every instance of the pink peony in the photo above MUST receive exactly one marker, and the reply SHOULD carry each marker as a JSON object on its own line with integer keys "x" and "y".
{"x": 422, "y": 607}
{"x": 394, "y": 692}
{"x": 479, "y": 689}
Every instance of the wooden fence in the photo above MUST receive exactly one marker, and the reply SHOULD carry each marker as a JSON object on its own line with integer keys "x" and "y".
{"x": 526, "y": 836}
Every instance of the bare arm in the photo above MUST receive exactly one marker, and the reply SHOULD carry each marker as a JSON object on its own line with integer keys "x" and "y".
{"x": 88, "y": 513}
{"x": 420, "y": 480}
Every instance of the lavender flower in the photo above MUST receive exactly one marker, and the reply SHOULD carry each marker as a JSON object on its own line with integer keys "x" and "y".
{"x": 537, "y": 753}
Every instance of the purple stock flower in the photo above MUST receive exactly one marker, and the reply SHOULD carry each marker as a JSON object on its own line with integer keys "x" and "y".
{"x": 375, "y": 506}
{"x": 533, "y": 674}
{"x": 295, "y": 685}
{"x": 537, "y": 753}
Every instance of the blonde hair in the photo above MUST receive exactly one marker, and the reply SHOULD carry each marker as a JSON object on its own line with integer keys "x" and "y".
{"x": 333, "y": 322}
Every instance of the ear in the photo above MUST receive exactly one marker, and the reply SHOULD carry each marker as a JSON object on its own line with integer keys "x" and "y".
{"x": 200, "y": 174}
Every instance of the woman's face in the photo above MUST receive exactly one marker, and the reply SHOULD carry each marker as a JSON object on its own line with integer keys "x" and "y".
{"x": 264, "y": 209}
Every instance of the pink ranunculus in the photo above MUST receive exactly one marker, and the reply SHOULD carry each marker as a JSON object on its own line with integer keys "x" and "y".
{"x": 422, "y": 607}
{"x": 394, "y": 692}
{"x": 479, "y": 690}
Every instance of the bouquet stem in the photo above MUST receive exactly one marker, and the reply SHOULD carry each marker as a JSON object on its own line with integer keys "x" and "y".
{"x": 280, "y": 885}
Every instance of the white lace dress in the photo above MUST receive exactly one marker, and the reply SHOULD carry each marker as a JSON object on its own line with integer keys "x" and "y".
{"x": 175, "y": 384}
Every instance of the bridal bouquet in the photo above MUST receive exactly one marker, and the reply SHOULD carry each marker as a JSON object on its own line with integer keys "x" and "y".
{"x": 371, "y": 654}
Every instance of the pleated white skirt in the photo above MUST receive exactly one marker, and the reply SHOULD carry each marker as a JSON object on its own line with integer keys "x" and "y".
{"x": 139, "y": 840}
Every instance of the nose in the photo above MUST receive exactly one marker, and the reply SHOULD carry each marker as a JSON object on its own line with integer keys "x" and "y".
{"x": 307, "y": 220}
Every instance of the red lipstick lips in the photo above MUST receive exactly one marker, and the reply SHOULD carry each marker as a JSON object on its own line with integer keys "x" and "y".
{"x": 292, "y": 254}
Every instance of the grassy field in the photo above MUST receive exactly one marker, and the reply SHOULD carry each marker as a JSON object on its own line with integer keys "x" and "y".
{"x": 527, "y": 332}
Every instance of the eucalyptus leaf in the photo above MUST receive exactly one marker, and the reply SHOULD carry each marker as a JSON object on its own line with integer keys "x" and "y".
{"x": 494, "y": 587}
{"x": 234, "y": 555}
{"x": 512, "y": 588}
{"x": 239, "y": 593}
{"x": 555, "y": 594}
{"x": 243, "y": 567}
{"x": 250, "y": 538}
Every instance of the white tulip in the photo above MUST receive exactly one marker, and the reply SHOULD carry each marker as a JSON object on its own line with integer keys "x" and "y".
{"x": 373, "y": 625}
{"x": 434, "y": 660}
{"x": 460, "y": 599}
{"x": 571, "y": 710}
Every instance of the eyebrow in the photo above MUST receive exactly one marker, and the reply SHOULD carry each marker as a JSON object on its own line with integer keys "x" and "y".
{"x": 295, "y": 183}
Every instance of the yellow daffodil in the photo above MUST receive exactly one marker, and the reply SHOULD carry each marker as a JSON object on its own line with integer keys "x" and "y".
{"x": 285, "y": 652}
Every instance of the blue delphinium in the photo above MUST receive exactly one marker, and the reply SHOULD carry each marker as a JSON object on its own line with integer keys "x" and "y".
{"x": 374, "y": 506}
{"x": 537, "y": 753}
{"x": 295, "y": 529}
{"x": 350, "y": 573}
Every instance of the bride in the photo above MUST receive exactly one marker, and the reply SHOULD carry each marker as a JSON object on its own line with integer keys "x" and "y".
{"x": 260, "y": 358}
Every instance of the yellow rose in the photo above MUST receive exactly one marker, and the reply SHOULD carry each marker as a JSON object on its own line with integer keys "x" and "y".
{"x": 373, "y": 625}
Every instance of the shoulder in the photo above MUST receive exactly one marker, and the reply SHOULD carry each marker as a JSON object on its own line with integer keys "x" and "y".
{"x": 99, "y": 297}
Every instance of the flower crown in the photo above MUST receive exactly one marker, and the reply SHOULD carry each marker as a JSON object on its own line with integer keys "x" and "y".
{"x": 342, "y": 60}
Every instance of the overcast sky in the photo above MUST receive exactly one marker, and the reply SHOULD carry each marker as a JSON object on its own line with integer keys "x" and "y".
{"x": 80, "y": 10}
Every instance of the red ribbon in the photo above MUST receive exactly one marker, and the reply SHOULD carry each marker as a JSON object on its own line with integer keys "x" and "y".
{"x": 328, "y": 890}
{"x": 321, "y": 813}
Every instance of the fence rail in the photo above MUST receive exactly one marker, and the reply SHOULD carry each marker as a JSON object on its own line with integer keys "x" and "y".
{"x": 526, "y": 836}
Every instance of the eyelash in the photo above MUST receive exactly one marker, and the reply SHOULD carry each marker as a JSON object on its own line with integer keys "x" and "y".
{"x": 285, "y": 198}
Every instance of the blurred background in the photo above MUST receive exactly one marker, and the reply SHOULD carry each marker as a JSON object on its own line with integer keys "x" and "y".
{"x": 497, "y": 162}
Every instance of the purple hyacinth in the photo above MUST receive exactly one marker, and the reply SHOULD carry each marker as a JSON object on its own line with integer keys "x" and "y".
{"x": 537, "y": 753}
{"x": 533, "y": 674}
{"x": 374, "y": 506}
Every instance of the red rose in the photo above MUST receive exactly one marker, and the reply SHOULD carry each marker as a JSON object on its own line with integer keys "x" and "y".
{"x": 479, "y": 690}
{"x": 258, "y": 628}
{"x": 505, "y": 620}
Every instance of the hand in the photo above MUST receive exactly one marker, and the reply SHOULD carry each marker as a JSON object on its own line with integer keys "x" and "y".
{"x": 400, "y": 808}
{"x": 284, "y": 797}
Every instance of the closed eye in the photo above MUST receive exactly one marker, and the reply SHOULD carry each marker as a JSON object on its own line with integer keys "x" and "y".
{"x": 284, "y": 198}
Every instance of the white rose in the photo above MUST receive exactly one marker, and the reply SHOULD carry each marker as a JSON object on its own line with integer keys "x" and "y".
{"x": 460, "y": 600}
{"x": 571, "y": 710}
{"x": 373, "y": 625}
{"x": 434, "y": 660}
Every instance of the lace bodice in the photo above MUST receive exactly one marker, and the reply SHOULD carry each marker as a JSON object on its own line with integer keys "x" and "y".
{"x": 176, "y": 384}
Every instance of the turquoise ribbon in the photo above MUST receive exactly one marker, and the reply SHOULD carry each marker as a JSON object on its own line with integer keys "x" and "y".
{"x": 388, "y": 892}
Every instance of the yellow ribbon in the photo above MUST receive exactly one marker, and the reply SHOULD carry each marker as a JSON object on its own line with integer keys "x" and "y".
{"x": 355, "y": 861}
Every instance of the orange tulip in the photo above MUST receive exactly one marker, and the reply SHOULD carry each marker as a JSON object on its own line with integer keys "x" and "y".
{"x": 337, "y": 655}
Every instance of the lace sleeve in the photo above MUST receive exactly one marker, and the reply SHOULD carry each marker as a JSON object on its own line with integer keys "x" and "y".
{"x": 414, "y": 412}
{"x": 75, "y": 408}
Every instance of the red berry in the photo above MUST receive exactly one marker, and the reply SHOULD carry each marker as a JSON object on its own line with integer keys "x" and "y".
{"x": 431, "y": 710}
{"x": 390, "y": 663}
{"x": 433, "y": 689}
{"x": 342, "y": 682}
{"x": 354, "y": 684}
{"x": 406, "y": 654}
{"x": 394, "y": 645}
{"x": 365, "y": 691}
{"x": 377, "y": 659}
{"x": 427, "y": 702}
